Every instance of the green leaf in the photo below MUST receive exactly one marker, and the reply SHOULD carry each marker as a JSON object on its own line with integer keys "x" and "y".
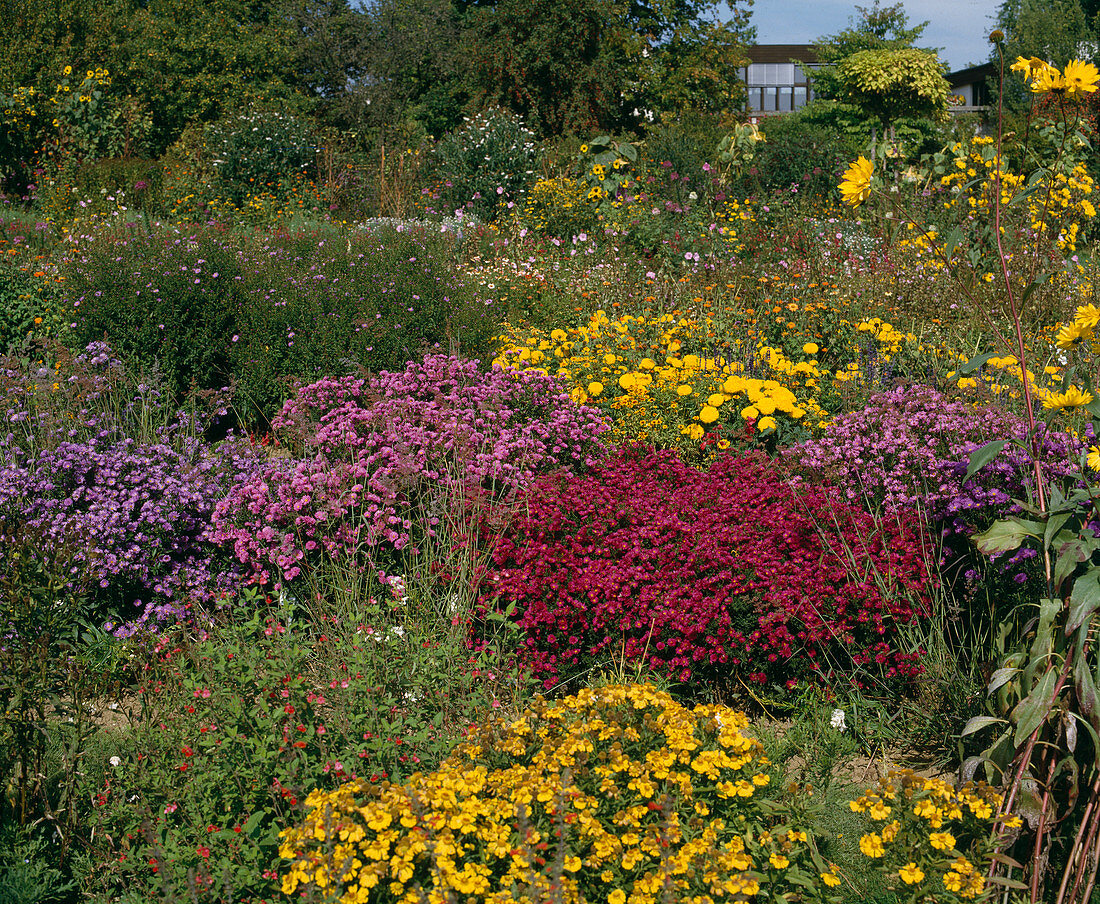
{"x": 1030, "y": 712}
{"x": 1054, "y": 524}
{"x": 1001, "y": 677}
{"x": 1084, "y": 600}
{"x": 1003, "y": 536}
{"x": 977, "y": 723}
{"x": 974, "y": 363}
{"x": 979, "y": 458}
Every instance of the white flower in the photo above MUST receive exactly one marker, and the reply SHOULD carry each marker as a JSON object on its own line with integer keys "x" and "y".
{"x": 837, "y": 721}
{"x": 115, "y": 761}
{"x": 397, "y": 631}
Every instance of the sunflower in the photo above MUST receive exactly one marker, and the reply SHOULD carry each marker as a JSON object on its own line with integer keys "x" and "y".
{"x": 1081, "y": 77}
{"x": 856, "y": 185}
{"x": 1071, "y": 398}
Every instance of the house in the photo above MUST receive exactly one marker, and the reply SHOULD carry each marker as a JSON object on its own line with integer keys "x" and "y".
{"x": 971, "y": 86}
{"x": 775, "y": 83}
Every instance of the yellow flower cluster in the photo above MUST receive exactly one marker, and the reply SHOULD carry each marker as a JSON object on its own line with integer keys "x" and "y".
{"x": 635, "y": 367}
{"x": 557, "y": 206}
{"x": 616, "y": 794}
{"x": 1056, "y": 205}
{"x": 930, "y": 828}
{"x": 1078, "y": 78}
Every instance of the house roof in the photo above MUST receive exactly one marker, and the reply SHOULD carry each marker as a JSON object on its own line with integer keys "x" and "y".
{"x": 781, "y": 53}
{"x": 971, "y": 74}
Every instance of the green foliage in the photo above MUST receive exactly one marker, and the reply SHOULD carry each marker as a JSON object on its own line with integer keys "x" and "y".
{"x": 605, "y": 166}
{"x": 190, "y": 62}
{"x": 205, "y": 311}
{"x": 27, "y": 871}
{"x": 890, "y": 84}
{"x": 248, "y": 151}
{"x": 20, "y": 306}
{"x": 236, "y": 723}
{"x": 163, "y": 311}
{"x": 486, "y": 163}
{"x": 45, "y": 687}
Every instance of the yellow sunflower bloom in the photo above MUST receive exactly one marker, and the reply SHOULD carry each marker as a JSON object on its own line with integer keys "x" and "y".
{"x": 856, "y": 185}
{"x": 1080, "y": 76}
{"x": 1072, "y": 333}
{"x": 1047, "y": 79}
{"x": 1070, "y": 399}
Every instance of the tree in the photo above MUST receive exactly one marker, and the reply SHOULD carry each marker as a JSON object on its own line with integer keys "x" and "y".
{"x": 876, "y": 28}
{"x": 413, "y": 67}
{"x": 891, "y": 84}
{"x": 581, "y": 65}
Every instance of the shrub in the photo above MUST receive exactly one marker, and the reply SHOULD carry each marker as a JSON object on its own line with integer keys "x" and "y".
{"x": 133, "y": 512}
{"x": 318, "y": 307}
{"x": 617, "y": 791}
{"x": 908, "y": 450}
{"x": 250, "y": 150}
{"x": 233, "y": 724}
{"x": 485, "y": 163}
{"x": 164, "y": 302}
{"x": 700, "y": 574}
{"x": 796, "y": 152}
{"x": 205, "y": 310}
{"x": 369, "y": 456}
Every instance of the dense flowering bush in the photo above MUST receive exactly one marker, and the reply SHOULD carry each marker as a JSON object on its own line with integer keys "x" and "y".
{"x": 930, "y": 833}
{"x": 909, "y": 449}
{"x": 485, "y": 164}
{"x": 136, "y": 512}
{"x": 371, "y": 456}
{"x": 701, "y": 573}
{"x": 617, "y": 792}
{"x": 250, "y": 149}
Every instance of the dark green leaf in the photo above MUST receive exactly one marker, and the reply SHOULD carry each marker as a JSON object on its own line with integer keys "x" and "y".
{"x": 979, "y": 458}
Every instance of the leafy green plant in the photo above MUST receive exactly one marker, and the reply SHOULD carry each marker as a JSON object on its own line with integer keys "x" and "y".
{"x": 485, "y": 164}
{"x": 248, "y": 150}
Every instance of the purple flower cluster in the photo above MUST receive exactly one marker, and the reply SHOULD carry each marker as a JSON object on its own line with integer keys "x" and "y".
{"x": 372, "y": 458}
{"x": 136, "y": 513}
{"x": 909, "y": 448}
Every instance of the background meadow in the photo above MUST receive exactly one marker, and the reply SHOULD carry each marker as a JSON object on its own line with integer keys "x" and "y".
{"x": 453, "y": 488}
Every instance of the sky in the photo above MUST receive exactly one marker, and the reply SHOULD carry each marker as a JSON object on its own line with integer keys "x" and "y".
{"x": 959, "y": 27}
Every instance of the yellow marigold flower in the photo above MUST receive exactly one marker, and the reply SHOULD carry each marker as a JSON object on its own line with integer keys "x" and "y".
{"x": 856, "y": 184}
{"x": 1081, "y": 77}
{"x": 766, "y": 423}
{"x": 830, "y": 879}
{"x": 810, "y": 348}
{"x": 716, "y": 399}
{"x": 1014, "y": 822}
{"x": 595, "y": 388}
{"x": 1071, "y": 398}
{"x": 952, "y": 881}
{"x": 879, "y": 810}
{"x": 942, "y": 841}
{"x": 584, "y": 148}
{"x": 871, "y": 845}
{"x": 695, "y": 431}
{"x": 911, "y": 874}
{"x": 750, "y": 413}
{"x": 618, "y": 896}
{"x": 683, "y": 390}
{"x": 709, "y": 414}
{"x": 558, "y": 335}
{"x": 68, "y": 70}
{"x": 779, "y": 861}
